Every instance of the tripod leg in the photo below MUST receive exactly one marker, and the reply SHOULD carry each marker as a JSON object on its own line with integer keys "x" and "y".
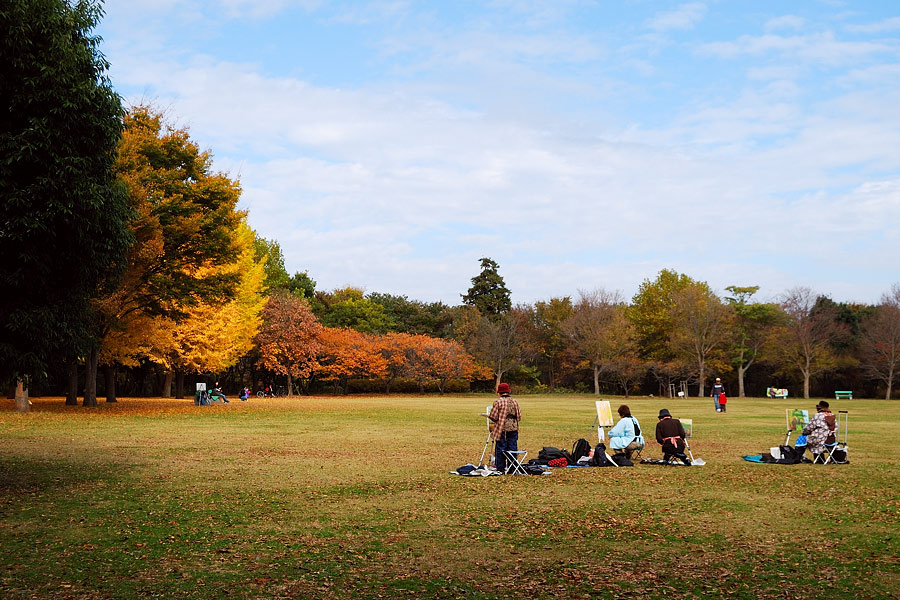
{"x": 487, "y": 443}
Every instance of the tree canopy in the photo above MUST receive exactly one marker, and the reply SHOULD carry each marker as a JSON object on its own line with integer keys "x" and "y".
{"x": 64, "y": 219}
{"x": 488, "y": 292}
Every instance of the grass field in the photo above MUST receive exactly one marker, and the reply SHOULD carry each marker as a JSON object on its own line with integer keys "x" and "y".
{"x": 351, "y": 498}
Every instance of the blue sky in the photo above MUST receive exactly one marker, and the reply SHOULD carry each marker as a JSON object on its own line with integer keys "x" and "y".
{"x": 389, "y": 145}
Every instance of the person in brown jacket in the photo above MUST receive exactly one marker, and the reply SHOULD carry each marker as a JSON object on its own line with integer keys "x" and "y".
{"x": 670, "y": 435}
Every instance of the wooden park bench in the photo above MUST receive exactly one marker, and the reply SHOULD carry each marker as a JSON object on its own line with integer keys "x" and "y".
{"x": 845, "y": 395}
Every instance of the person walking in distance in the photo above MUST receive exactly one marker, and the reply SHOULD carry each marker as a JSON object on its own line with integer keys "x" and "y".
{"x": 718, "y": 393}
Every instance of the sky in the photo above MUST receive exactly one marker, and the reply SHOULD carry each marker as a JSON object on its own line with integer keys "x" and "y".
{"x": 388, "y": 145}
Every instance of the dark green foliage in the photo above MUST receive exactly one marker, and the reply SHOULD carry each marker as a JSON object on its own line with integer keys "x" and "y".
{"x": 302, "y": 285}
{"x": 63, "y": 219}
{"x": 360, "y": 314}
{"x": 276, "y": 275}
{"x": 414, "y": 316}
{"x": 488, "y": 292}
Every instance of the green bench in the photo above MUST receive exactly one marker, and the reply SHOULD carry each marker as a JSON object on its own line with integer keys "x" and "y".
{"x": 843, "y": 395}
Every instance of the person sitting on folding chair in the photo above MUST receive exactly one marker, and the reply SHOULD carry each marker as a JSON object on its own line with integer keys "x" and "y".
{"x": 670, "y": 435}
{"x": 506, "y": 415}
{"x": 821, "y": 431}
{"x": 626, "y": 436}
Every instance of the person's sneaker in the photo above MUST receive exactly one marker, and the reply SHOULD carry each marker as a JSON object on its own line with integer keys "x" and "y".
{"x": 686, "y": 461}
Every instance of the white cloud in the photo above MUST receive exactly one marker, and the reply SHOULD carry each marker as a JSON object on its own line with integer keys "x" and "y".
{"x": 401, "y": 185}
{"x": 683, "y": 17}
{"x": 784, "y": 22}
{"x": 821, "y": 48}
{"x": 887, "y": 25}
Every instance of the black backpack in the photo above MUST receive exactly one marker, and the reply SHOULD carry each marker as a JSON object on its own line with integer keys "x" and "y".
{"x": 548, "y": 453}
{"x": 637, "y": 428}
{"x": 600, "y": 459}
{"x": 621, "y": 460}
{"x": 580, "y": 448}
{"x": 791, "y": 456}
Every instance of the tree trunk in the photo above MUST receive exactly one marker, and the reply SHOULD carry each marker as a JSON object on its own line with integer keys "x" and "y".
{"x": 290, "y": 385}
{"x": 806, "y": 386}
{"x": 23, "y": 404}
{"x": 111, "y": 383}
{"x": 741, "y": 371}
{"x": 179, "y": 385}
{"x": 890, "y": 384}
{"x": 702, "y": 380}
{"x": 168, "y": 378}
{"x": 72, "y": 383}
{"x": 90, "y": 379}
{"x": 596, "y": 380}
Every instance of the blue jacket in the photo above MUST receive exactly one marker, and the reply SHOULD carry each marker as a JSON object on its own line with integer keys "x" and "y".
{"x": 623, "y": 433}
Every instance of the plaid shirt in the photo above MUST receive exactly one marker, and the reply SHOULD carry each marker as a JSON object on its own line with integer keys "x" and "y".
{"x": 505, "y": 409}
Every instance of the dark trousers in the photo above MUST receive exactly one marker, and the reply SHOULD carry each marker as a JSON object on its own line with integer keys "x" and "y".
{"x": 509, "y": 441}
{"x": 677, "y": 450}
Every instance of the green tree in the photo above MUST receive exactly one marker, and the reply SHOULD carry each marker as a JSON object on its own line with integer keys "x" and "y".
{"x": 652, "y": 313}
{"x": 700, "y": 330}
{"x": 276, "y": 275}
{"x": 488, "y": 292}
{"x": 64, "y": 219}
{"x": 302, "y": 285}
{"x": 413, "y": 316}
{"x": 751, "y": 323}
{"x": 347, "y": 308}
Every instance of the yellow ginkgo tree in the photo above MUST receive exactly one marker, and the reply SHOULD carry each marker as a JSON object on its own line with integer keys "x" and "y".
{"x": 216, "y": 331}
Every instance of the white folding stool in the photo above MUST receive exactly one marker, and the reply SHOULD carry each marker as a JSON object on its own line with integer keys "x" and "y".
{"x": 514, "y": 460}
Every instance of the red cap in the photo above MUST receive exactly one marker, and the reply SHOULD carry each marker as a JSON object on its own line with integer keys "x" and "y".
{"x": 503, "y": 388}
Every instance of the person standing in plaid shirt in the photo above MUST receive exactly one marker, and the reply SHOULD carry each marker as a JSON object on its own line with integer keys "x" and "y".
{"x": 505, "y": 415}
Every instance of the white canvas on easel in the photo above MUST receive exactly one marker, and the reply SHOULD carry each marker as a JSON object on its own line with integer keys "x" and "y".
{"x": 604, "y": 419}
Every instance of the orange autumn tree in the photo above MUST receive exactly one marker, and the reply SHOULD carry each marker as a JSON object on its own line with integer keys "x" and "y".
{"x": 289, "y": 339}
{"x": 347, "y": 353}
{"x": 393, "y": 348}
{"x": 438, "y": 360}
{"x": 448, "y": 359}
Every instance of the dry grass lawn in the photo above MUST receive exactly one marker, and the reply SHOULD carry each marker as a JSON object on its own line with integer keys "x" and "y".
{"x": 343, "y": 497}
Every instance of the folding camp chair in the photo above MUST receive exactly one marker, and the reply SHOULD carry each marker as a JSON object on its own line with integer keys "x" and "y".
{"x": 515, "y": 460}
{"x": 839, "y": 447}
{"x": 636, "y": 453}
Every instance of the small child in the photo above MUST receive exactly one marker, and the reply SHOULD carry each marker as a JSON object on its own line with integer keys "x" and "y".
{"x": 245, "y": 394}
